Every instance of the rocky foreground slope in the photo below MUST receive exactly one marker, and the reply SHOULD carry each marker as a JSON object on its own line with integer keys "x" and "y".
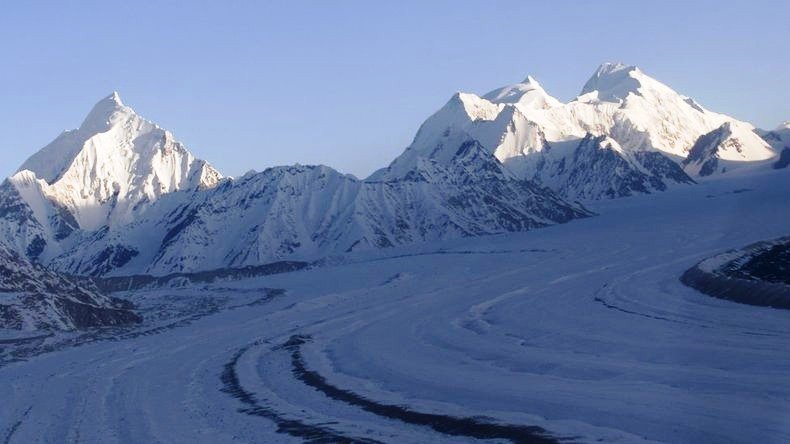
{"x": 33, "y": 298}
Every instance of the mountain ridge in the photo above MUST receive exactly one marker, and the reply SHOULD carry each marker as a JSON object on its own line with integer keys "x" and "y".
{"x": 521, "y": 123}
{"x": 114, "y": 208}
{"x": 121, "y": 196}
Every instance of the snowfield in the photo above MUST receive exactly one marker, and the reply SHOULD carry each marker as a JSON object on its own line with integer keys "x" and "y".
{"x": 578, "y": 332}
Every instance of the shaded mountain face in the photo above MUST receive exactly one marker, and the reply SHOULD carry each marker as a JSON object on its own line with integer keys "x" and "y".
{"x": 779, "y": 139}
{"x": 647, "y": 128}
{"x": 725, "y": 148}
{"x": 598, "y": 167}
{"x": 34, "y": 298}
{"x": 308, "y": 212}
{"x": 121, "y": 196}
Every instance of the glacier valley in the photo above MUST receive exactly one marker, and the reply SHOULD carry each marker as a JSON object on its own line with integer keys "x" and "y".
{"x": 611, "y": 269}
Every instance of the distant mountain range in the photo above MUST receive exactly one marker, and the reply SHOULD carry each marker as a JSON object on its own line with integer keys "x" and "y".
{"x": 120, "y": 196}
{"x": 625, "y": 134}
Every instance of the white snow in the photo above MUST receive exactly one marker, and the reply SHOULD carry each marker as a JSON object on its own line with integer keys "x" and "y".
{"x": 113, "y": 162}
{"x": 583, "y": 329}
{"x": 520, "y": 123}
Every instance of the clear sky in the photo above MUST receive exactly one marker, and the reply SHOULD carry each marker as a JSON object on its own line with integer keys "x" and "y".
{"x": 247, "y": 85}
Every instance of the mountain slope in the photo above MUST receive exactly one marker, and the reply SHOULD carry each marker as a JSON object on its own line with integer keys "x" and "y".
{"x": 308, "y": 212}
{"x": 32, "y": 297}
{"x": 779, "y": 139}
{"x": 726, "y": 147}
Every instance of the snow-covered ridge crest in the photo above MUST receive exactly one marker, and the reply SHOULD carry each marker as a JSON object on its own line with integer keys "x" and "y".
{"x": 115, "y": 162}
{"x": 121, "y": 195}
{"x": 536, "y": 136}
{"x": 528, "y": 93}
{"x": 613, "y": 82}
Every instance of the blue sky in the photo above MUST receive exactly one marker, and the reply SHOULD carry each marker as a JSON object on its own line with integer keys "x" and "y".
{"x": 255, "y": 84}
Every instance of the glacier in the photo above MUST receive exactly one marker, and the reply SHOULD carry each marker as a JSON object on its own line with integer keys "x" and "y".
{"x": 579, "y": 331}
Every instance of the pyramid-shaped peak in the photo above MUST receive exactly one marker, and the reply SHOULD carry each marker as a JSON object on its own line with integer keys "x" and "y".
{"x": 101, "y": 115}
{"x": 115, "y": 98}
{"x": 111, "y": 101}
{"x": 529, "y": 80}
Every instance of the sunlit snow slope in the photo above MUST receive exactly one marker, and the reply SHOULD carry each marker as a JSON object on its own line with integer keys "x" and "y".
{"x": 622, "y": 135}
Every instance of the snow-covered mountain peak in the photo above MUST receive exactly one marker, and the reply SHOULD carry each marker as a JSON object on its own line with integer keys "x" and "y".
{"x": 472, "y": 106}
{"x": 105, "y": 113}
{"x": 528, "y": 93}
{"x": 613, "y": 82}
{"x": 648, "y": 125}
{"x": 608, "y": 69}
{"x": 114, "y": 161}
{"x": 51, "y": 162}
{"x": 23, "y": 177}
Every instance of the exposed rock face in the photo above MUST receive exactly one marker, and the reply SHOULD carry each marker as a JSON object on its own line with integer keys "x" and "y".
{"x": 32, "y": 297}
{"x": 758, "y": 274}
{"x": 720, "y": 150}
